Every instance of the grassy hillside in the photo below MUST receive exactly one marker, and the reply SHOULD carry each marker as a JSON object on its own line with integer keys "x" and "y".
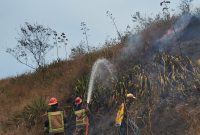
{"x": 166, "y": 82}
{"x": 56, "y": 80}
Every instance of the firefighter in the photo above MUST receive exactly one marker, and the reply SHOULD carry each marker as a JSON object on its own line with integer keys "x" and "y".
{"x": 56, "y": 121}
{"x": 81, "y": 114}
{"x": 122, "y": 114}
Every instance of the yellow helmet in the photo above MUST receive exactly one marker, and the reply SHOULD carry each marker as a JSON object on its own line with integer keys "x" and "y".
{"x": 130, "y": 95}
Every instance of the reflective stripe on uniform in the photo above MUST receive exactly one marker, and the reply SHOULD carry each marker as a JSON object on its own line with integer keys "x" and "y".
{"x": 56, "y": 122}
{"x": 80, "y": 117}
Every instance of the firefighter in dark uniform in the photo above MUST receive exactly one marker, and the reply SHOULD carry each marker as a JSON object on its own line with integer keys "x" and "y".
{"x": 56, "y": 121}
{"x": 81, "y": 114}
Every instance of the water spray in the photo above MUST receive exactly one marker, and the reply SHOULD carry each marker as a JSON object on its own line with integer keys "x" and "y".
{"x": 95, "y": 69}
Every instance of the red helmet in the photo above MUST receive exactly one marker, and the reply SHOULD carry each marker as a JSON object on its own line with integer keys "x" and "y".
{"x": 78, "y": 100}
{"x": 53, "y": 101}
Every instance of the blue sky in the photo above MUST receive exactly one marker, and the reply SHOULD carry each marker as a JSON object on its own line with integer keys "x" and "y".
{"x": 66, "y": 16}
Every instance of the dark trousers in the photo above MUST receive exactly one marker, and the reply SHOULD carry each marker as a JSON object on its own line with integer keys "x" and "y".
{"x": 123, "y": 128}
{"x": 128, "y": 126}
{"x": 80, "y": 130}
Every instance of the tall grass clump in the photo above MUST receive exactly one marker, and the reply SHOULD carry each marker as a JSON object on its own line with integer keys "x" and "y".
{"x": 31, "y": 115}
{"x": 80, "y": 86}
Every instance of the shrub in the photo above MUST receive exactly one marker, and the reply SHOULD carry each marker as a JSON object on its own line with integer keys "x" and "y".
{"x": 31, "y": 114}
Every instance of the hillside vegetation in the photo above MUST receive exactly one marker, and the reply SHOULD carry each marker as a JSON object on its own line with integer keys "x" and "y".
{"x": 159, "y": 64}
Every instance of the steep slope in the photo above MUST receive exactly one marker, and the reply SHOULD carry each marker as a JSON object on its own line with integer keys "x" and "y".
{"x": 165, "y": 82}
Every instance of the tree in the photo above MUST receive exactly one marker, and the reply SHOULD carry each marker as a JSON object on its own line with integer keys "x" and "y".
{"x": 78, "y": 51}
{"x": 33, "y": 45}
{"x": 197, "y": 11}
{"x": 185, "y": 6}
{"x": 166, "y": 7}
{"x": 165, "y": 4}
{"x": 110, "y": 15}
{"x": 58, "y": 40}
{"x": 85, "y": 29}
{"x": 142, "y": 22}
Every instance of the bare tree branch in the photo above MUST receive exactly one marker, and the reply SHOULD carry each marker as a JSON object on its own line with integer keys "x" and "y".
{"x": 33, "y": 45}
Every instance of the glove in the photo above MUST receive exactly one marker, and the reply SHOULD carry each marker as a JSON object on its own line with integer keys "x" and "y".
{"x": 117, "y": 125}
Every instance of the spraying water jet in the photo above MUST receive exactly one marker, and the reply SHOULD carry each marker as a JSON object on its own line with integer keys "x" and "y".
{"x": 97, "y": 65}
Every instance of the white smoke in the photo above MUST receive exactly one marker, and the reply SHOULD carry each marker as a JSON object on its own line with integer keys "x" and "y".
{"x": 132, "y": 47}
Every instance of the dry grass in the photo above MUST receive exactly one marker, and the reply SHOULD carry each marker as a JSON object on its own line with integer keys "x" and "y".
{"x": 55, "y": 80}
{"x": 154, "y": 85}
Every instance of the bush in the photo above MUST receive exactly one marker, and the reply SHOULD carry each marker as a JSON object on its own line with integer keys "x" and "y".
{"x": 31, "y": 114}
